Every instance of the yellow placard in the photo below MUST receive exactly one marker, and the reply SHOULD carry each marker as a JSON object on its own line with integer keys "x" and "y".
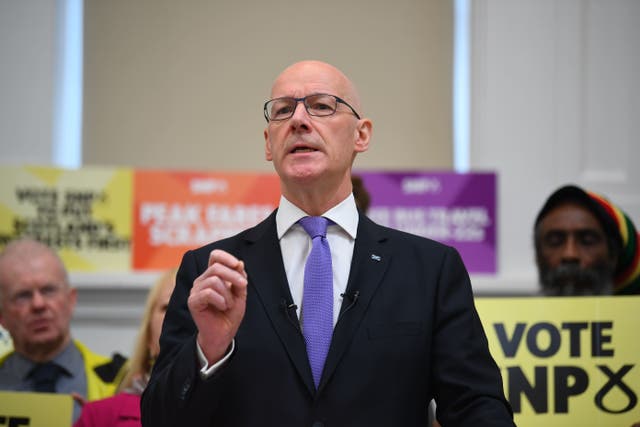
{"x": 84, "y": 214}
{"x": 35, "y": 409}
{"x": 567, "y": 361}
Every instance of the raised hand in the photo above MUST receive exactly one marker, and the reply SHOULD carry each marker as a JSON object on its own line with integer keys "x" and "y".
{"x": 217, "y": 303}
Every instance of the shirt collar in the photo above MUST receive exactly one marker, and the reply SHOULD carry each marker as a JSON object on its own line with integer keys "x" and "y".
{"x": 68, "y": 358}
{"x": 65, "y": 359}
{"x": 344, "y": 214}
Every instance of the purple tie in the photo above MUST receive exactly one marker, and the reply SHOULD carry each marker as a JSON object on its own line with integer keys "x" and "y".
{"x": 317, "y": 299}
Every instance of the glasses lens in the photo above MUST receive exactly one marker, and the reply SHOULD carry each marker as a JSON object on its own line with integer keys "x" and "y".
{"x": 316, "y": 105}
{"x": 280, "y": 108}
{"x": 321, "y": 104}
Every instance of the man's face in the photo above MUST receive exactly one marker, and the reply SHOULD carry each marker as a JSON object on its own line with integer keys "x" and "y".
{"x": 315, "y": 150}
{"x": 36, "y": 304}
{"x": 572, "y": 253}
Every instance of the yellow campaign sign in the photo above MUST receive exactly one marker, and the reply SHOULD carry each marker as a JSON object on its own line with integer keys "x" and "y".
{"x": 35, "y": 409}
{"x": 567, "y": 361}
{"x": 84, "y": 214}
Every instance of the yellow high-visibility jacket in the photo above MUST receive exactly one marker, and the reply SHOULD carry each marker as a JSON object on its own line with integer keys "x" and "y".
{"x": 104, "y": 374}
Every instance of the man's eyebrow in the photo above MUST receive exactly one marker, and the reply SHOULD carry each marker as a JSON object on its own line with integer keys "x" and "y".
{"x": 558, "y": 231}
{"x": 574, "y": 231}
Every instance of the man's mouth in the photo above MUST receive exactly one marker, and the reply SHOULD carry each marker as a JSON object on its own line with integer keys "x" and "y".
{"x": 303, "y": 150}
{"x": 39, "y": 325}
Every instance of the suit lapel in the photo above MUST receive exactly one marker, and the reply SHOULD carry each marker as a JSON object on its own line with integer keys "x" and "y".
{"x": 368, "y": 265}
{"x": 267, "y": 278}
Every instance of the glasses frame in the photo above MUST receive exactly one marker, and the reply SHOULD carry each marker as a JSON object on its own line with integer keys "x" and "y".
{"x": 306, "y": 107}
{"x": 25, "y": 297}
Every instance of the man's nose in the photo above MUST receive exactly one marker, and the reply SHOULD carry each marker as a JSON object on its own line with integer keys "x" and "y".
{"x": 300, "y": 117}
{"x": 37, "y": 299}
{"x": 570, "y": 250}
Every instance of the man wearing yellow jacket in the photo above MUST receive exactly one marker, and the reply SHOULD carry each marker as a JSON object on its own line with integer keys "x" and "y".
{"x": 36, "y": 306}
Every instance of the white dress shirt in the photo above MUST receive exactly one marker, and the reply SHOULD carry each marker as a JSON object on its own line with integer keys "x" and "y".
{"x": 295, "y": 245}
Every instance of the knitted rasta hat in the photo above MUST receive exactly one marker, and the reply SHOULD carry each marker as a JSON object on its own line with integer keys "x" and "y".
{"x": 617, "y": 226}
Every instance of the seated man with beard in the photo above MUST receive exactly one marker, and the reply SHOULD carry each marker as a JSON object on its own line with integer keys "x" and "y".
{"x": 585, "y": 245}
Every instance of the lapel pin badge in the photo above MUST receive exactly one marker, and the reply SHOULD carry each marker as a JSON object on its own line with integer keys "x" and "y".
{"x": 376, "y": 257}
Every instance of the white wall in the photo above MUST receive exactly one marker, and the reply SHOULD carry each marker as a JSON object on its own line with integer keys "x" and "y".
{"x": 109, "y": 310}
{"x": 27, "y": 64}
{"x": 554, "y": 100}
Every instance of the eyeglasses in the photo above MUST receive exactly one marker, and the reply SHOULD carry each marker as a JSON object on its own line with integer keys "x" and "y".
{"x": 317, "y": 104}
{"x": 25, "y": 297}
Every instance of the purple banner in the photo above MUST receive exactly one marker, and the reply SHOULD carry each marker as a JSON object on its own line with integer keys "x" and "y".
{"x": 456, "y": 209}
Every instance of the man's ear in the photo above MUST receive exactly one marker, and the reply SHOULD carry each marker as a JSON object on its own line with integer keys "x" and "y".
{"x": 363, "y": 135}
{"x": 267, "y": 146}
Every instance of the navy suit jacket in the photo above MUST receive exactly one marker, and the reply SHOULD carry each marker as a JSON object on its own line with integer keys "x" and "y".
{"x": 408, "y": 331}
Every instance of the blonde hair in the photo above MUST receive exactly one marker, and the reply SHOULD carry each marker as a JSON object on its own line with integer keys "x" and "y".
{"x": 141, "y": 361}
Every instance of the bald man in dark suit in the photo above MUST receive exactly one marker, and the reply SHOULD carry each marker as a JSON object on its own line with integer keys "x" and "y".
{"x": 235, "y": 350}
